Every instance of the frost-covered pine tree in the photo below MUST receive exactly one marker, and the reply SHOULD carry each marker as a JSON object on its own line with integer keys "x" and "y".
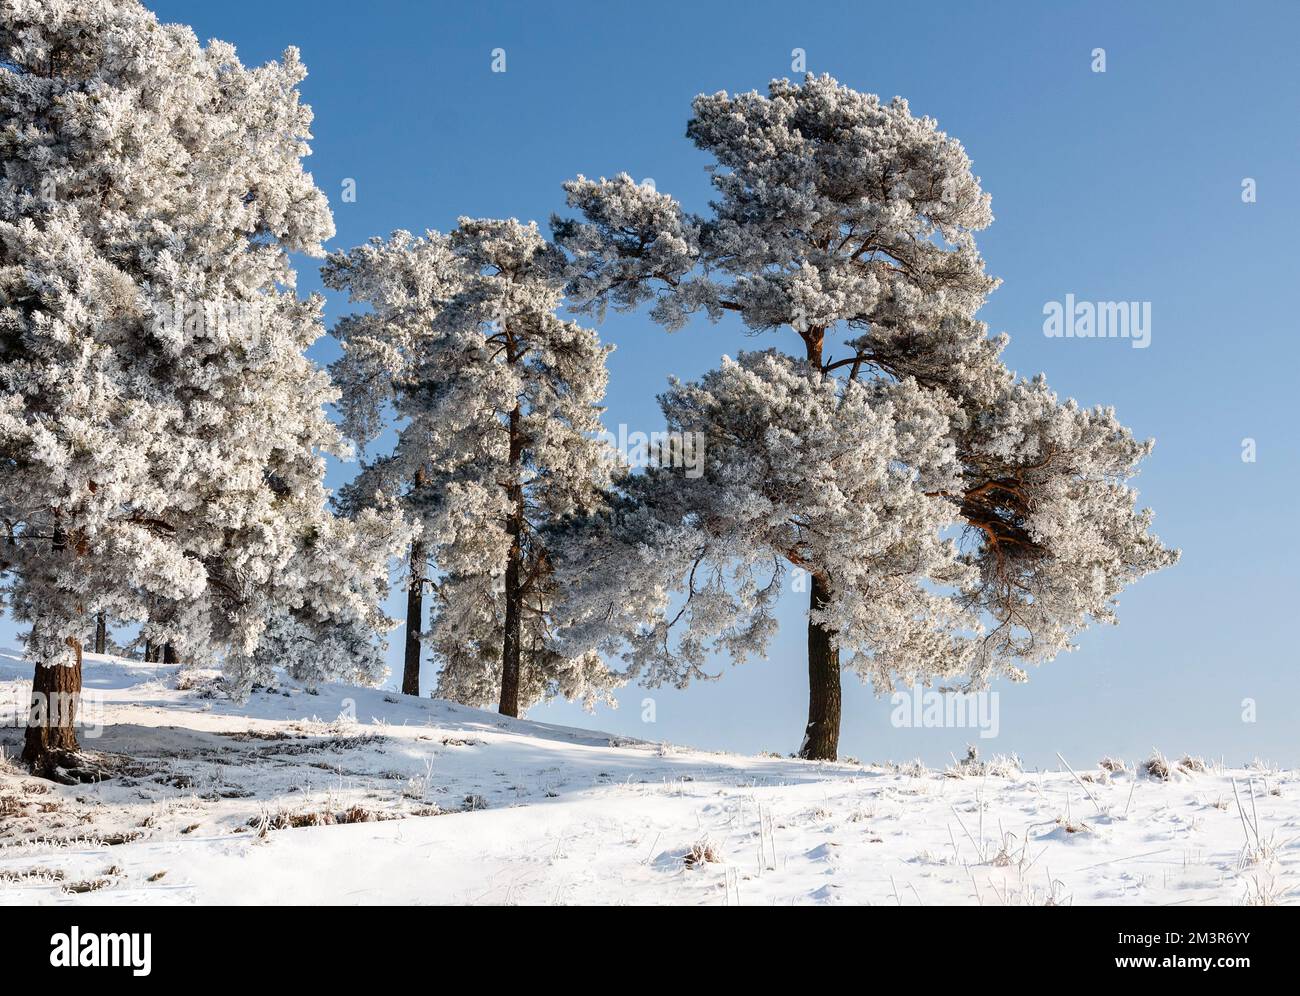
{"x": 849, "y": 223}
{"x": 405, "y": 281}
{"x": 161, "y": 431}
{"x": 497, "y": 400}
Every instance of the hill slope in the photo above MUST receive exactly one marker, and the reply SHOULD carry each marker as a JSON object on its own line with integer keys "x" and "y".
{"x": 354, "y": 795}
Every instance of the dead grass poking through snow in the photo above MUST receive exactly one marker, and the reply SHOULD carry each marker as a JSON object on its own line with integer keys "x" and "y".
{"x": 288, "y": 820}
{"x": 702, "y": 852}
{"x": 997, "y": 766}
{"x": 1159, "y": 766}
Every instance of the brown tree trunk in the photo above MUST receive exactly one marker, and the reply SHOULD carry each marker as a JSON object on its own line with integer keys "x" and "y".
{"x": 821, "y": 738}
{"x": 51, "y": 734}
{"x": 514, "y": 595}
{"x": 51, "y": 738}
{"x": 101, "y": 634}
{"x": 169, "y": 654}
{"x": 414, "y": 618}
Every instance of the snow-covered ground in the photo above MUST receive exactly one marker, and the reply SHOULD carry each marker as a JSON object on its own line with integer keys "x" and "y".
{"x": 354, "y": 795}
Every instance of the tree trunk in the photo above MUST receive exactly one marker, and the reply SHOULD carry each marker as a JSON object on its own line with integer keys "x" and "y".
{"x": 821, "y": 739}
{"x": 169, "y": 653}
{"x": 514, "y": 595}
{"x": 51, "y": 735}
{"x": 101, "y": 634}
{"x": 149, "y": 657}
{"x": 50, "y": 742}
{"x": 414, "y": 618}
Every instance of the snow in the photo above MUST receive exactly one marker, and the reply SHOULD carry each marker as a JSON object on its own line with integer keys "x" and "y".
{"x": 471, "y": 807}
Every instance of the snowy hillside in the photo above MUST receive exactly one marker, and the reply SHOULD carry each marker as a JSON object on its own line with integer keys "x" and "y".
{"x": 360, "y": 796}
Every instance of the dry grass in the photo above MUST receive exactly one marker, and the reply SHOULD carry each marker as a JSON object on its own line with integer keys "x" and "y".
{"x": 1157, "y": 766}
{"x": 997, "y": 766}
{"x": 702, "y": 852}
{"x": 10, "y": 765}
{"x": 288, "y": 820}
{"x": 32, "y": 876}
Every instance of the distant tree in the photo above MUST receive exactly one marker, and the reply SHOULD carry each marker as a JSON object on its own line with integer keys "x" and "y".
{"x": 161, "y": 430}
{"x": 850, "y": 223}
{"x": 497, "y": 400}
{"x": 405, "y": 282}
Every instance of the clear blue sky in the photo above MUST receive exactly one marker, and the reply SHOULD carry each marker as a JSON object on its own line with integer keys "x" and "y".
{"x": 1120, "y": 186}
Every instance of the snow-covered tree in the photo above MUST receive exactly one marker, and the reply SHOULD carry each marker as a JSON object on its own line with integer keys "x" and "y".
{"x": 162, "y": 433}
{"x": 405, "y": 281}
{"x": 312, "y": 654}
{"x": 497, "y": 402}
{"x": 851, "y": 223}
{"x": 842, "y": 479}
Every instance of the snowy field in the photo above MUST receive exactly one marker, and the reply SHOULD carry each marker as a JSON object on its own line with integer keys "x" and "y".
{"x": 361, "y": 796}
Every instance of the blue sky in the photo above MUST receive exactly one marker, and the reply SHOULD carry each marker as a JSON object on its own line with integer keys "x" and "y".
{"x": 1116, "y": 186}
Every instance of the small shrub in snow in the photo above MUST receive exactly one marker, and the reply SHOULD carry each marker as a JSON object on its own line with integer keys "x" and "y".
{"x": 1100, "y": 778}
{"x": 197, "y": 679}
{"x": 703, "y": 851}
{"x": 1157, "y": 766}
{"x": 430, "y": 810}
{"x": 998, "y": 766}
{"x": 7, "y": 765}
{"x": 1112, "y": 766}
{"x": 286, "y": 820}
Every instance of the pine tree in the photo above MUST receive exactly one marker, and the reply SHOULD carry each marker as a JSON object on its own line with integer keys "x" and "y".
{"x": 405, "y": 281}
{"x": 841, "y": 217}
{"x": 162, "y": 433}
{"x": 497, "y": 402}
